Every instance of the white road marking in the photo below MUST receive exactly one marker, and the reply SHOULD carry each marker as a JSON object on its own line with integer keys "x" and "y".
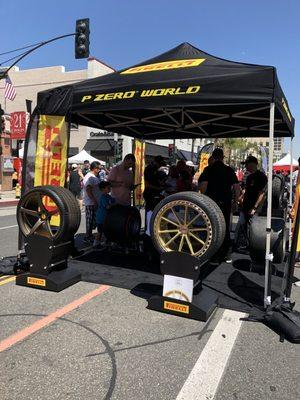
{"x": 203, "y": 381}
{"x": 7, "y": 227}
{"x": 4, "y": 212}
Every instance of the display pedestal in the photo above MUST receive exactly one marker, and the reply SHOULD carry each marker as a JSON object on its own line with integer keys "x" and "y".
{"x": 48, "y": 265}
{"x": 55, "y": 281}
{"x": 203, "y": 302}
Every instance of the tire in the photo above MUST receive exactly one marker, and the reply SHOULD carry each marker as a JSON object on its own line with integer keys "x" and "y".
{"x": 257, "y": 239}
{"x": 208, "y": 227}
{"x": 277, "y": 191}
{"x": 122, "y": 224}
{"x": 33, "y": 215}
{"x": 277, "y": 197}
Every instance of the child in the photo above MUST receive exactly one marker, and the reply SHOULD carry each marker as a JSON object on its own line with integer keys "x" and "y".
{"x": 105, "y": 202}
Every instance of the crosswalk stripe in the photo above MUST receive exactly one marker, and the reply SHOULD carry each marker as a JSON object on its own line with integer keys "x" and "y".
{"x": 204, "y": 379}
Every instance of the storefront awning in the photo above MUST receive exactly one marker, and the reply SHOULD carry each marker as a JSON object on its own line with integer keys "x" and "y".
{"x": 153, "y": 150}
{"x": 101, "y": 145}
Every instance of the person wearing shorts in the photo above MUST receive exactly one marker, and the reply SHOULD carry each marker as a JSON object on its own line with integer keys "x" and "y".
{"x": 91, "y": 194}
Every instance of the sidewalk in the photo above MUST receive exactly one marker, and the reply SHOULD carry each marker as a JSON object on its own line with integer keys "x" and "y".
{"x": 8, "y": 199}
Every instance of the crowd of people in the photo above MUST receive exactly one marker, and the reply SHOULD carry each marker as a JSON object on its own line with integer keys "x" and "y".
{"x": 98, "y": 189}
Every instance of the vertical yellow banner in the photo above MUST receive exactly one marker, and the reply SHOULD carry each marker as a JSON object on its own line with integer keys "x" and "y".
{"x": 139, "y": 153}
{"x": 51, "y": 151}
{"x": 51, "y": 157}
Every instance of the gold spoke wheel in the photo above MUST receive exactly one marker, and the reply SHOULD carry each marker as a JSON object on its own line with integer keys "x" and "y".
{"x": 183, "y": 226}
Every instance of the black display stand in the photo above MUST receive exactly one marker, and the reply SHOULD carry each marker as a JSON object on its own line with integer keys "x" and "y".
{"x": 204, "y": 301}
{"x": 48, "y": 265}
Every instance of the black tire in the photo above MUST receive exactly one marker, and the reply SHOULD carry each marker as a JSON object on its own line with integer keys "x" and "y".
{"x": 278, "y": 203}
{"x": 122, "y": 224}
{"x": 66, "y": 205}
{"x": 277, "y": 191}
{"x": 257, "y": 239}
{"x": 210, "y": 215}
{"x": 73, "y": 208}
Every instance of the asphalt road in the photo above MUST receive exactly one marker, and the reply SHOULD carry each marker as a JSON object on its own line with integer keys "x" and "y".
{"x": 80, "y": 345}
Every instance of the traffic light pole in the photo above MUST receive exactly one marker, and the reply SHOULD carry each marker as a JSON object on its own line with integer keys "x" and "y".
{"x": 3, "y": 75}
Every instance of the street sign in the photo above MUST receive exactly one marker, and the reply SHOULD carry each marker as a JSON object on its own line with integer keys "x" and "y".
{"x": 18, "y": 125}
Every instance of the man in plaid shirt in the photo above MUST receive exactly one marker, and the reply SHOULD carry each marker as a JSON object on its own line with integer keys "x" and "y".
{"x": 91, "y": 196}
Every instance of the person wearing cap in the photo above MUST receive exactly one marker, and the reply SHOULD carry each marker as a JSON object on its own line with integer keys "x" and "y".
{"x": 91, "y": 195}
{"x": 154, "y": 185}
{"x": 252, "y": 196}
{"x": 254, "y": 188}
{"x": 217, "y": 181}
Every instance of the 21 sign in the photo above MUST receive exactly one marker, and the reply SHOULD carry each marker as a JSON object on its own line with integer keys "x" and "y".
{"x": 18, "y": 125}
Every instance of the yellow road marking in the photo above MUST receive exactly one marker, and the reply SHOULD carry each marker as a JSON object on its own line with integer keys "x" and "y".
{"x": 3, "y": 277}
{"x": 10, "y": 279}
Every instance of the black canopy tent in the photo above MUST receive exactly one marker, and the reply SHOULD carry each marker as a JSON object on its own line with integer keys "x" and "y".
{"x": 183, "y": 93}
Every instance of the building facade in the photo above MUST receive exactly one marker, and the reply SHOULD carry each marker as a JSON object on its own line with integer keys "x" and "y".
{"x": 278, "y": 145}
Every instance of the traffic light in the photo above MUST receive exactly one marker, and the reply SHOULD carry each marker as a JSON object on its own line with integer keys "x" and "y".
{"x": 82, "y": 38}
{"x": 171, "y": 150}
{"x": 172, "y": 153}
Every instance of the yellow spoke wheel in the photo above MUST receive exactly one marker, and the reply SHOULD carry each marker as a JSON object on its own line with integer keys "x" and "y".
{"x": 188, "y": 222}
{"x": 183, "y": 226}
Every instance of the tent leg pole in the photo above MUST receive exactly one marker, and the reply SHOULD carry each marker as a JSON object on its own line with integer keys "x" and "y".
{"x": 291, "y": 194}
{"x": 269, "y": 256}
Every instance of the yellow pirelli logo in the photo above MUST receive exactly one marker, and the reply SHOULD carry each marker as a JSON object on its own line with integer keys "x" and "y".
{"x": 169, "y": 91}
{"x": 181, "y": 308}
{"x": 161, "y": 66}
{"x": 286, "y": 109}
{"x": 36, "y": 281}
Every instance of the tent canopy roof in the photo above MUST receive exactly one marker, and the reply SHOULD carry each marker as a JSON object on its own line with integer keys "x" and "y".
{"x": 183, "y": 93}
{"x": 83, "y": 156}
{"x": 286, "y": 160}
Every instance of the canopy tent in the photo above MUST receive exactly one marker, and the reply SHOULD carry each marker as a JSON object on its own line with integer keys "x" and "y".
{"x": 285, "y": 163}
{"x": 183, "y": 93}
{"x": 83, "y": 156}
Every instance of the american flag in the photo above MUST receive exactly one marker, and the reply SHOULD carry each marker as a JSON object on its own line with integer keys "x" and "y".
{"x": 9, "y": 91}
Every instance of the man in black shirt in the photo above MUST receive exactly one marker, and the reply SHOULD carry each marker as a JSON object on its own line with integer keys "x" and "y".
{"x": 217, "y": 182}
{"x": 153, "y": 182}
{"x": 251, "y": 199}
{"x": 254, "y": 188}
{"x": 153, "y": 187}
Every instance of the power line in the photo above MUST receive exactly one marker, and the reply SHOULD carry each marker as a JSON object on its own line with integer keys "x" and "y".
{"x": 21, "y": 56}
{"x": 13, "y": 58}
{"x": 20, "y": 48}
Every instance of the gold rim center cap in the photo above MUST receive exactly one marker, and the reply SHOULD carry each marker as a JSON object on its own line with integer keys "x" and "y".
{"x": 184, "y": 230}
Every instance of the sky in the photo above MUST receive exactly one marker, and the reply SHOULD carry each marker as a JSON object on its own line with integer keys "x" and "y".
{"x": 125, "y": 32}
